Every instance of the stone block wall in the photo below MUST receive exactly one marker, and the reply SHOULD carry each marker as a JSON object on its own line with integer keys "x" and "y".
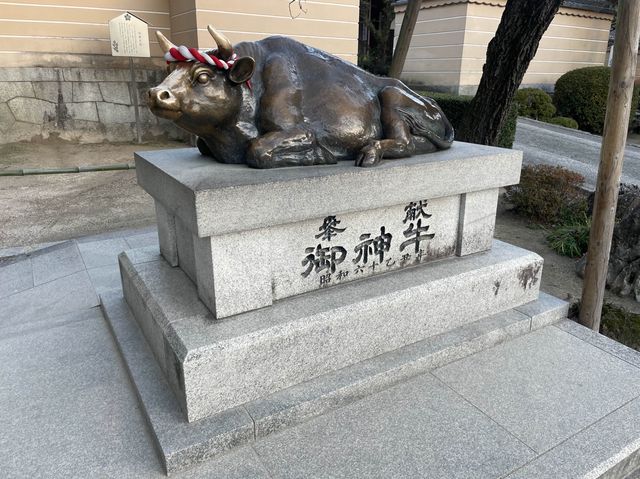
{"x": 84, "y": 104}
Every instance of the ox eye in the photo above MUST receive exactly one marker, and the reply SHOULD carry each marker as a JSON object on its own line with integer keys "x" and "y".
{"x": 203, "y": 78}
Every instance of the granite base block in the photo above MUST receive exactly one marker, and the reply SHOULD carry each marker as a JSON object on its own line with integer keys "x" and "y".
{"x": 249, "y": 237}
{"x": 179, "y": 443}
{"x": 213, "y": 365}
{"x": 182, "y": 444}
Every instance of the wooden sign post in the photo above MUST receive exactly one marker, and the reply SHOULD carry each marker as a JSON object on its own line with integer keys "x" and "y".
{"x": 129, "y": 36}
{"x": 611, "y": 157}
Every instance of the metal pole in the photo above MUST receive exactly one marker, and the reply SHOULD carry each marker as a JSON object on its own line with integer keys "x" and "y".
{"x": 134, "y": 97}
{"x": 614, "y": 138}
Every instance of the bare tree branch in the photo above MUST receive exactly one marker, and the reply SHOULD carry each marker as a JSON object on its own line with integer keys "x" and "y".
{"x": 300, "y": 7}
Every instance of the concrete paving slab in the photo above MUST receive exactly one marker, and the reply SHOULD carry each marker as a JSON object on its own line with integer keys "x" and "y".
{"x": 544, "y": 387}
{"x": 420, "y": 428}
{"x": 610, "y": 448}
{"x": 68, "y": 410}
{"x": 14, "y": 251}
{"x": 615, "y": 348}
{"x": 56, "y": 262}
{"x": 545, "y": 310}
{"x": 42, "y": 323}
{"x": 103, "y": 252}
{"x": 326, "y": 393}
{"x": 106, "y": 279}
{"x": 146, "y": 254}
{"x": 49, "y": 300}
{"x": 142, "y": 240}
{"x": 16, "y": 274}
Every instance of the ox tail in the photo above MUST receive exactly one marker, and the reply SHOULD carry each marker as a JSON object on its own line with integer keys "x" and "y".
{"x": 430, "y": 122}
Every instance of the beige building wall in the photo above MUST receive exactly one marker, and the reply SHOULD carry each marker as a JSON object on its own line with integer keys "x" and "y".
{"x": 81, "y": 26}
{"x": 330, "y": 25}
{"x": 435, "y": 53}
{"x": 575, "y": 39}
{"x": 69, "y": 26}
{"x": 58, "y": 76}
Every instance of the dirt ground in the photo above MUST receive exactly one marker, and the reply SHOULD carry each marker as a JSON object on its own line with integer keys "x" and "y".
{"x": 45, "y": 208}
{"x": 558, "y": 273}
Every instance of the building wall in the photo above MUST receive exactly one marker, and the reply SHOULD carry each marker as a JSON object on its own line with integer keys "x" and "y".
{"x": 59, "y": 78}
{"x": 72, "y": 26}
{"x": 575, "y": 39}
{"x": 330, "y": 25}
{"x": 435, "y": 53}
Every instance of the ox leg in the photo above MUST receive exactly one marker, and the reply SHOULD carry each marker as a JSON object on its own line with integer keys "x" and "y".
{"x": 398, "y": 142}
{"x": 294, "y": 147}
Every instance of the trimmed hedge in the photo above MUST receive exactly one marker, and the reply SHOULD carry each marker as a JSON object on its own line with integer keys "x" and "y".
{"x": 455, "y": 107}
{"x": 582, "y": 94}
{"x": 548, "y": 195}
{"x": 564, "y": 121}
{"x": 535, "y": 103}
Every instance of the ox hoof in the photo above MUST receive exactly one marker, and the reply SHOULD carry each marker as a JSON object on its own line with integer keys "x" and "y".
{"x": 369, "y": 156}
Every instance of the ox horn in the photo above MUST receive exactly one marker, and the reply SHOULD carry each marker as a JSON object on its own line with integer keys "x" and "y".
{"x": 225, "y": 49}
{"x": 165, "y": 44}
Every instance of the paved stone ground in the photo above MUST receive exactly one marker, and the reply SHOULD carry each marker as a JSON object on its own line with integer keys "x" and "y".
{"x": 555, "y": 403}
{"x": 543, "y": 143}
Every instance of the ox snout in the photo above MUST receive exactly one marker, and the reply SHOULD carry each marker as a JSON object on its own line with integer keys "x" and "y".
{"x": 163, "y": 103}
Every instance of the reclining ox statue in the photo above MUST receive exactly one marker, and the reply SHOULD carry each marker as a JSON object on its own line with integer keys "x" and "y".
{"x": 278, "y": 102}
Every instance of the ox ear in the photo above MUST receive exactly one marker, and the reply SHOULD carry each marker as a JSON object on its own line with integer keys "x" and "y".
{"x": 242, "y": 70}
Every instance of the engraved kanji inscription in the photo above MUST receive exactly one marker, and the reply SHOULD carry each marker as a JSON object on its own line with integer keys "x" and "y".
{"x": 323, "y": 258}
{"x": 416, "y": 235}
{"x": 414, "y": 211}
{"x": 329, "y": 228}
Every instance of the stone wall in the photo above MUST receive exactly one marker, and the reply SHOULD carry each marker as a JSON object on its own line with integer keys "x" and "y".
{"x": 85, "y": 104}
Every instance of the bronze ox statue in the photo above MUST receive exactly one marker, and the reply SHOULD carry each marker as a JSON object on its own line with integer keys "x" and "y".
{"x": 278, "y": 102}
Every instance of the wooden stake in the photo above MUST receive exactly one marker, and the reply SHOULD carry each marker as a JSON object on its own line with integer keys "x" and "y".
{"x": 404, "y": 37}
{"x": 614, "y": 138}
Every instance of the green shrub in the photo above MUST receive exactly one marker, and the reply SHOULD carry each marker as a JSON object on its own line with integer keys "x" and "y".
{"x": 582, "y": 94}
{"x": 535, "y": 103}
{"x": 549, "y": 195}
{"x": 455, "y": 107}
{"x": 572, "y": 238}
{"x": 564, "y": 121}
{"x": 621, "y": 325}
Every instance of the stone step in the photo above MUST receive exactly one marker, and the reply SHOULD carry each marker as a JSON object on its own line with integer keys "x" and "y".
{"x": 182, "y": 444}
{"x": 213, "y": 365}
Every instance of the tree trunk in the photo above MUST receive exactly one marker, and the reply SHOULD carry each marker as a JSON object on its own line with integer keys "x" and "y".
{"x": 614, "y": 137}
{"x": 404, "y": 37}
{"x": 508, "y": 56}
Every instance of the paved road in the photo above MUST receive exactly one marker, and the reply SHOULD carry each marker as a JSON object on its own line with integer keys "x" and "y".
{"x": 579, "y": 151}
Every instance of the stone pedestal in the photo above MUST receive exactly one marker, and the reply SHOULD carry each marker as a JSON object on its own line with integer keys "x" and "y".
{"x": 278, "y": 295}
{"x": 271, "y": 278}
{"x": 248, "y": 237}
